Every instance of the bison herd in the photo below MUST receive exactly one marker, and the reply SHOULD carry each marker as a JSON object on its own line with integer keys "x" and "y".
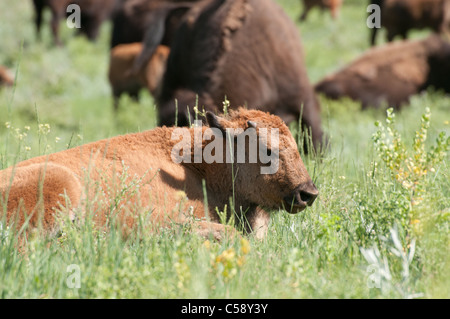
{"x": 194, "y": 54}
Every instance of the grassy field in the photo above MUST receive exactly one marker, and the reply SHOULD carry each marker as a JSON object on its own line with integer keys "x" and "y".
{"x": 379, "y": 229}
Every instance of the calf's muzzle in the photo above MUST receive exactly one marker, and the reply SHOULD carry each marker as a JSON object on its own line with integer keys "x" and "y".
{"x": 304, "y": 195}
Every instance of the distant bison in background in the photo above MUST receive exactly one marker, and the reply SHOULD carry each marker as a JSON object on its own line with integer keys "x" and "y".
{"x": 120, "y": 75}
{"x": 166, "y": 191}
{"x": 128, "y": 23}
{"x": 392, "y": 73}
{"x": 400, "y": 16}
{"x": 332, "y": 5}
{"x": 93, "y": 13}
{"x": 134, "y": 17}
{"x": 6, "y": 79}
{"x": 248, "y": 51}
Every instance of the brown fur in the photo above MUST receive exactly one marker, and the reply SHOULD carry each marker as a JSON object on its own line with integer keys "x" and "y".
{"x": 392, "y": 73}
{"x": 332, "y": 5}
{"x": 6, "y": 78}
{"x": 90, "y": 176}
{"x": 120, "y": 74}
{"x": 400, "y": 16}
{"x": 128, "y": 24}
{"x": 246, "y": 50}
{"x": 93, "y": 14}
{"x": 134, "y": 18}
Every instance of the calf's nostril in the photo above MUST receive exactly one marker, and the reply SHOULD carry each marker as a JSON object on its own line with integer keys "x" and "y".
{"x": 308, "y": 197}
{"x": 308, "y": 193}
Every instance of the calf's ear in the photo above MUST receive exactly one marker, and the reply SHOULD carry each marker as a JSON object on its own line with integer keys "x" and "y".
{"x": 215, "y": 121}
{"x": 251, "y": 124}
{"x": 220, "y": 123}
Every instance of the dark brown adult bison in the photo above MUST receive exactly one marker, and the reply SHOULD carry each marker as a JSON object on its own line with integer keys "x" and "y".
{"x": 332, "y": 5}
{"x": 134, "y": 17}
{"x": 392, "y": 73}
{"x": 400, "y": 16}
{"x": 93, "y": 13}
{"x": 173, "y": 191}
{"x": 131, "y": 20}
{"x": 247, "y": 51}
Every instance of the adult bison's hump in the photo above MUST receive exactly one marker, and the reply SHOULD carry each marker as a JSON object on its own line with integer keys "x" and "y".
{"x": 247, "y": 50}
{"x": 263, "y": 60}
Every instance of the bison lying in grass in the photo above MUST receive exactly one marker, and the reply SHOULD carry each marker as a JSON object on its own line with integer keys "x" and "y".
{"x": 400, "y": 16}
{"x": 123, "y": 80}
{"x": 143, "y": 172}
{"x": 248, "y": 51}
{"x": 392, "y": 73}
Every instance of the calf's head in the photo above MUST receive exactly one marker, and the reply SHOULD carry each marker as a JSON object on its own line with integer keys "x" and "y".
{"x": 269, "y": 171}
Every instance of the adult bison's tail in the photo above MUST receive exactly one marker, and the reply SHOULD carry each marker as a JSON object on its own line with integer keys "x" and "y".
{"x": 156, "y": 30}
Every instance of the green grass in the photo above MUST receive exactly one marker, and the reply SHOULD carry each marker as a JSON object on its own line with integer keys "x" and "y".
{"x": 315, "y": 254}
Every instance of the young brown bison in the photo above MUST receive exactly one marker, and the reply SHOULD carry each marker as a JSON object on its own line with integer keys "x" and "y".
{"x": 332, "y": 5}
{"x": 120, "y": 75}
{"x": 93, "y": 13}
{"x": 6, "y": 79}
{"x": 400, "y": 16}
{"x": 248, "y": 51}
{"x": 143, "y": 172}
{"x": 392, "y": 73}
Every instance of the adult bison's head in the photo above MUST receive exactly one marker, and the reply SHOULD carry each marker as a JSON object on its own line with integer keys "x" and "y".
{"x": 267, "y": 167}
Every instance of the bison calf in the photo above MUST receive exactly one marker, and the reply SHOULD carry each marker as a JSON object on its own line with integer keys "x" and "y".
{"x": 142, "y": 173}
{"x": 6, "y": 79}
{"x": 400, "y": 16}
{"x": 123, "y": 80}
{"x": 333, "y": 5}
{"x": 392, "y": 73}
